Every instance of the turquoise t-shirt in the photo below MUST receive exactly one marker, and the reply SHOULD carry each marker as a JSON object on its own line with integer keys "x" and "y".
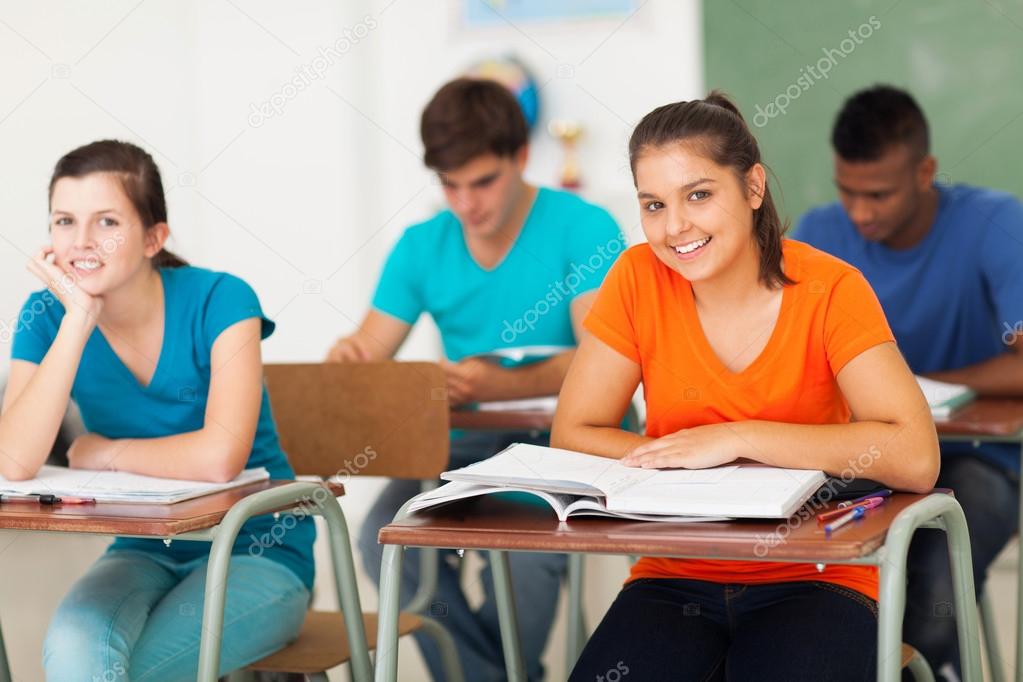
{"x": 198, "y": 305}
{"x": 565, "y": 248}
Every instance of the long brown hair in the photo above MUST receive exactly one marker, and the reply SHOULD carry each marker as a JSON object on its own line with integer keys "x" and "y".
{"x": 139, "y": 176}
{"x": 715, "y": 126}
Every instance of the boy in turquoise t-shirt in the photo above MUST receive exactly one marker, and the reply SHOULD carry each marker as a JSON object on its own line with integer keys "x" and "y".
{"x": 507, "y": 265}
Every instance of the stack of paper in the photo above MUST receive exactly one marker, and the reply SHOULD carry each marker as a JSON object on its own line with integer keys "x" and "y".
{"x": 944, "y": 398}
{"x": 119, "y": 486}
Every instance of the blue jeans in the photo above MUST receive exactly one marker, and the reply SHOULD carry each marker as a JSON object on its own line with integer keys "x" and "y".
{"x": 989, "y": 497}
{"x": 692, "y": 630}
{"x": 134, "y": 616}
{"x": 536, "y": 580}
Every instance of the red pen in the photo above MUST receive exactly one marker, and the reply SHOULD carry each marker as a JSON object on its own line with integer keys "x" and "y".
{"x": 866, "y": 504}
{"x": 65, "y": 499}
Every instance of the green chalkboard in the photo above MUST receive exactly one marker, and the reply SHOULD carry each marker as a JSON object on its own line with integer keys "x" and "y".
{"x": 961, "y": 59}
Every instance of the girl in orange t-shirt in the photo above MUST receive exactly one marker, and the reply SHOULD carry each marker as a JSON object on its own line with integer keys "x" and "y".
{"x": 749, "y": 347}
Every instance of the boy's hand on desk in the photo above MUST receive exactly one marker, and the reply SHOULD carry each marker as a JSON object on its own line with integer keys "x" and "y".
{"x": 475, "y": 380}
{"x": 700, "y": 447}
{"x": 347, "y": 349}
{"x": 92, "y": 451}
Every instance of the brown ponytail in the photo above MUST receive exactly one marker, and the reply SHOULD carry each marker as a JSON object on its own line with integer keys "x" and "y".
{"x": 139, "y": 176}
{"x": 715, "y": 125}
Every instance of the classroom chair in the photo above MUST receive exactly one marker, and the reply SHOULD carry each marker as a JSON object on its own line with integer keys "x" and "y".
{"x": 990, "y": 637}
{"x": 367, "y": 419}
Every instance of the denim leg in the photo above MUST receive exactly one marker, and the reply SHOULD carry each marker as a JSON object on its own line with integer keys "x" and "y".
{"x": 536, "y": 579}
{"x": 989, "y": 497}
{"x": 264, "y": 609}
{"x": 97, "y": 624}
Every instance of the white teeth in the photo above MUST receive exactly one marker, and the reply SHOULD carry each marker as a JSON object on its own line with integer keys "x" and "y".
{"x": 86, "y": 264}
{"x": 692, "y": 246}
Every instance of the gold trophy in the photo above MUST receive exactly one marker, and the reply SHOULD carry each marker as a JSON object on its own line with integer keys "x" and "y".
{"x": 567, "y": 133}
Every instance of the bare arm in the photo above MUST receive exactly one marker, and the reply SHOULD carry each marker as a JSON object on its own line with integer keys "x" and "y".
{"x": 892, "y": 426}
{"x": 1000, "y": 376}
{"x": 216, "y": 452}
{"x": 479, "y": 380}
{"x": 378, "y": 338}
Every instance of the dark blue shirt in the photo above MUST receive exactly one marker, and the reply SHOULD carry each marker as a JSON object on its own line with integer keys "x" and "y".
{"x": 951, "y": 298}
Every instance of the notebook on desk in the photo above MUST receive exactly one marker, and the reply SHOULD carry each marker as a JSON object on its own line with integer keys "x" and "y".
{"x": 122, "y": 487}
{"x": 945, "y": 398}
{"x": 574, "y": 483}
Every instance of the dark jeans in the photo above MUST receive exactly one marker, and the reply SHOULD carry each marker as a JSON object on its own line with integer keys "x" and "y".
{"x": 678, "y": 629}
{"x": 989, "y": 497}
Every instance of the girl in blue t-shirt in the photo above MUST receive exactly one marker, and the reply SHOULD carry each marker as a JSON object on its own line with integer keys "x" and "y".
{"x": 164, "y": 363}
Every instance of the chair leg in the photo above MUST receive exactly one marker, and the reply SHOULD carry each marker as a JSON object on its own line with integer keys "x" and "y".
{"x": 503, "y": 595}
{"x": 990, "y": 634}
{"x": 448, "y": 653}
{"x": 919, "y": 668}
{"x": 576, "y": 617}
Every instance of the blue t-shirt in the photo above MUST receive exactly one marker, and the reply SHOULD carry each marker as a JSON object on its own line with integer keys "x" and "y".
{"x": 565, "y": 248}
{"x": 950, "y": 298}
{"x": 198, "y": 305}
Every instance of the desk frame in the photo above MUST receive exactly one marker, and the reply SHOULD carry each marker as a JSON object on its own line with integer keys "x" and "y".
{"x": 280, "y": 499}
{"x": 934, "y": 511}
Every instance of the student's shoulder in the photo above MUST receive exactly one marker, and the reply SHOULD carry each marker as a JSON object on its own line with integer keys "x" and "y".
{"x": 199, "y": 284}
{"x": 812, "y": 265}
{"x": 558, "y": 204}
{"x": 821, "y": 221}
{"x": 970, "y": 203}
{"x": 434, "y": 228}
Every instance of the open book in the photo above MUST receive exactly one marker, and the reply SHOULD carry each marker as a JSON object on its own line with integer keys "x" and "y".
{"x": 118, "y": 486}
{"x": 574, "y": 483}
{"x": 945, "y": 398}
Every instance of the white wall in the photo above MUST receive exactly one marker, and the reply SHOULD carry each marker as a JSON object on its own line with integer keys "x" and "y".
{"x": 305, "y": 204}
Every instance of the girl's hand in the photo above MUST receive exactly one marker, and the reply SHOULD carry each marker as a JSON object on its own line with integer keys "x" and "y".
{"x": 64, "y": 285}
{"x": 700, "y": 447}
{"x": 92, "y": 451}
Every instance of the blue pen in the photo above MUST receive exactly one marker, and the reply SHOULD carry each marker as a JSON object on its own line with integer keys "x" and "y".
{"x": 880, "y": 493}
{"x": 856, "y": 513}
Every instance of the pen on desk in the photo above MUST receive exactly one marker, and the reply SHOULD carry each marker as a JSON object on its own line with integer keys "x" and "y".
{"x": 880, "y": 493}
{"x": 869, "y": 503}
{"x": 854, "y": 513}
{"x": 66, "y": 499}
{"x": 38, "y": 498}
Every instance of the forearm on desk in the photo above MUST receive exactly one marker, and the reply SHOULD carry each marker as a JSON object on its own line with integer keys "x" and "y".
{"x": 903, "y": 456}
{"x": 208, "y": 454}
{"x": 1001, "y": 376}
{"x": 541, "y": 378}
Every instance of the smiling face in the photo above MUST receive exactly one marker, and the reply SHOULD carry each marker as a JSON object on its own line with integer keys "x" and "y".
{"x": 97, "y": 235}
{"x": 883, "y": 197}
{"x": 696, "y": 215}
{"x": 483, "y": 192}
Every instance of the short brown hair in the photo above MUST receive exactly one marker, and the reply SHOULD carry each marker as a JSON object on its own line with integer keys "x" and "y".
{"x": 715, "y": 127}
{"x": 470, "y": 117}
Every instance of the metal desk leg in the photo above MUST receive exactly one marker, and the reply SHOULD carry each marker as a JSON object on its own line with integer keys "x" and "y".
{"x": 5, "y": 669}
{"x": 509, "y": 622}
{"x": 347, "y": 589}
{"x": 892, "y": 598}
{"x": 387, "y": 627}
{"x": 576, "y": 622}
{"x": 1018, "y": 676}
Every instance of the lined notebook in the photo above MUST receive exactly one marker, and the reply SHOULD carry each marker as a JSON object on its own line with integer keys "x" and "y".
{"x": 945, "y": 398}
{"x": 119, "y": 486}
{"x": 577, "y": 483}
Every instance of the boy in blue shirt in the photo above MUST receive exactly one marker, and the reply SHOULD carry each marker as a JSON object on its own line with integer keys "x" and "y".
{"x": 508, "y": 265}
{"x": 945, "y": 263}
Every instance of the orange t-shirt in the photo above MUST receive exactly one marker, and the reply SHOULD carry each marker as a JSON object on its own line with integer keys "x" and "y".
{"x": 647, "y": 312}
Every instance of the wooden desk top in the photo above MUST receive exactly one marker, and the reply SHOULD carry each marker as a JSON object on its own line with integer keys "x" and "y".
{"x": 493, "y": 420}
{"x": 158, "y": 520}
{"x": 984, "y": 417}
{"x": 488, "y": 523}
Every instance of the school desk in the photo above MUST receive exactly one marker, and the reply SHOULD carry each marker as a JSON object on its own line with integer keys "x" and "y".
{"x": 215, "y": 518}
{"x": 991, "y": 420}
{"x": 880, "y": 539}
